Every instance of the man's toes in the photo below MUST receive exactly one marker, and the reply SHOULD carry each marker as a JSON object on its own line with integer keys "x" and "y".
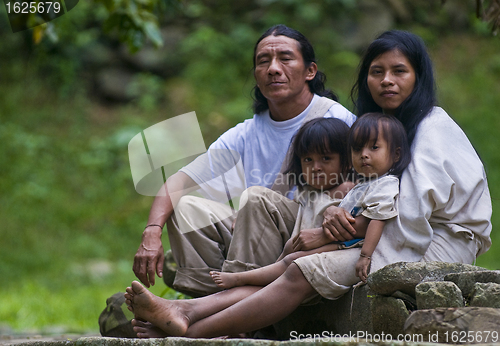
{"x": 137, "y": 287}
{"x": 138, "y": 330}
{"x": 139, "y": 323}
{"x": 142, "y": 335}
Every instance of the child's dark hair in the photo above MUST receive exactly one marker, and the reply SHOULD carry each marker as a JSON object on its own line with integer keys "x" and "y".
{"x": 393, "y": 132}
{"x": 319, "y": 135}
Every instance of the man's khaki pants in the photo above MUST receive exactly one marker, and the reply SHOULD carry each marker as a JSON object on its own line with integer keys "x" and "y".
{"x": 262, "y": 227}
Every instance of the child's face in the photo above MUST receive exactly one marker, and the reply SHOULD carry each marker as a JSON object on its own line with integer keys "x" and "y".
{"x": 321, "y": 171}
{"x": 374, "y": 159}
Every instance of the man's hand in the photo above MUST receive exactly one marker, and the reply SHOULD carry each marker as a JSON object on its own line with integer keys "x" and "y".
{"x": 337, "y": 224}
{"x": 309, "y": 239}
{"x": 148, "y": 260}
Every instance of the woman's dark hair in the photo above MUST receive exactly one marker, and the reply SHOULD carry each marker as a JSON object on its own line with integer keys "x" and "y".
{"x": 316, "y": 85}
{"x": 423, "y": 97}
{"x": 319, "y": 135}
{"x": 393, "y": 132}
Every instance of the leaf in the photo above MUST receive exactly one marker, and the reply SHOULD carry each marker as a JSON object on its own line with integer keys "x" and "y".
{"x": 38, "y": 32}
{"x": 153, "y": 33}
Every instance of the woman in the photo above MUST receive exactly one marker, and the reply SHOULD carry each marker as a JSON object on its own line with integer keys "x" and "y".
{"x": 444, "y": 205}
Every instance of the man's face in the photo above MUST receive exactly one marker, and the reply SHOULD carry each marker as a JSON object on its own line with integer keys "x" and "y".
{"x": 279, "y": 69}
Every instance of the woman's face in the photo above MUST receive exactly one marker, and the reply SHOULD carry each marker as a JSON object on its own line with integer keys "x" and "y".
{"x": 391, "y": 79}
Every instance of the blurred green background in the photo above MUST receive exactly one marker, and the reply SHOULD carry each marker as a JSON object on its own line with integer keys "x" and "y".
{"x": 72, "y": 98}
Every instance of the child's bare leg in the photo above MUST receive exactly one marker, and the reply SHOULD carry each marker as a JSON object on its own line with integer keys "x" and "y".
{"x": 255, "y": 277}
{"x": 265, "y": 275}
{"x": 263, "y": 308}
{"x": 175, "y": 316}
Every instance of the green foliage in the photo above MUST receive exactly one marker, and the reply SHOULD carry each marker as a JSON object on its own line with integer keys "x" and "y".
{"x": 71, "y": 301}
{"x": 134, "y": 21}
{"x": 70, "y": 217}
{"x": 147, "y": 89}
{"x": 71, "y": 220}
{"x": 467, "y": 74}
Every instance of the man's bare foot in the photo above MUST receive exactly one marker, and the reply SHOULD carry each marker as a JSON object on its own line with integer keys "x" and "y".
{"x": 146, "y": 330}
{"x": 164, "y": 314}
{"x": 225, "y": 280}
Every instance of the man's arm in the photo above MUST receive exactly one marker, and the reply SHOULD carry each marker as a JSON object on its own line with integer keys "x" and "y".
{"x": 148, "y": 260}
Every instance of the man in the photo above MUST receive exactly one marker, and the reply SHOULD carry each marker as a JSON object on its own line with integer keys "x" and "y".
{"x": 287, "y": 92}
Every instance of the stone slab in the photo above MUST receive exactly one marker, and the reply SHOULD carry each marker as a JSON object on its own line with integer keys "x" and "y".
{"x": 468, "y": 325}
{"x": 466, "y": 281}
{"x": 438, "y": 294}
{"x": 404, "y": 276}
{"x": 100, "y": 341}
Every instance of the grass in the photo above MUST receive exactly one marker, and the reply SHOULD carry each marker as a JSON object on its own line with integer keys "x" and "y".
{"x": 70, "y": 302}
{"x": 71, "y": 220}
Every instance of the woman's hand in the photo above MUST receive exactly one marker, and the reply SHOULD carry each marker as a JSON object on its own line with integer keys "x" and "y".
{"x": 148, "y": 260}
{"x": 309, "y": 239}
{"x": 337, "y": 224}
{"x": 362, "y": 267}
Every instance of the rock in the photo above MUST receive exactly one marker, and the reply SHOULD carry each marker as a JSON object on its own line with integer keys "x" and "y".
{"x": 374, "y": 17}
{"x": 410, "y": 302}
{"x": 438, "y": 294}
{"x": 169, "y": 269}
{"x": 388, "y": 315}
{"x": 112, "y": 84}
{"x": 455, "y": 325}
{"x": 99, "y": 55}
{"x": 466, "y": 281}
{"x": 348, "y": 314}
{"x": 164, "y": 61}
{"x": 486, "y": 295}
{"x": 404, "y": 276}
{"x": 172, "y": 341}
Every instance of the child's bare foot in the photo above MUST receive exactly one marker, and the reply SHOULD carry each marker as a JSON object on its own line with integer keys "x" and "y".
{"x": 165, "y": 314}
{"x": 225, "y": 280}
{"x": 146, "y": 330}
